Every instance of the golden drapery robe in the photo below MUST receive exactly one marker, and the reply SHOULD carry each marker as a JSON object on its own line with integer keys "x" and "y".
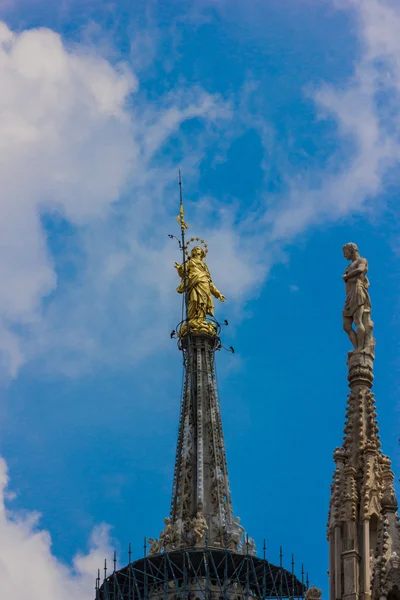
{"x": 200, "y": 289}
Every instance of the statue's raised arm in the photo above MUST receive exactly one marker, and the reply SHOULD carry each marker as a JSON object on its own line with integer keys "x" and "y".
{"x": 357, "y": 306}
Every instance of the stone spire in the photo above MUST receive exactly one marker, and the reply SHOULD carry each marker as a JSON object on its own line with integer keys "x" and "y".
{"x": 363, "y": 531}
{"x": 202, "y": 552}
{"x": 201, "y": 485}
{"x": 201, "y": 508}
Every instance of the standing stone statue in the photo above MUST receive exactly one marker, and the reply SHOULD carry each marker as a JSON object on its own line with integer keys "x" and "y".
{"x": 357, "y": 306}
{"x": 199, "y": 527}
{"x": 156, "y": 546}
{"x": 235, "y": 534}
{"x": 167, "y": 536}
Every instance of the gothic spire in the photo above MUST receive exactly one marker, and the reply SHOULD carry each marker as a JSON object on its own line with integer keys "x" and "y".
{"x": 201, "y": 507}
{"x": 202, "y": 551}
{"x": 362, "y": 529}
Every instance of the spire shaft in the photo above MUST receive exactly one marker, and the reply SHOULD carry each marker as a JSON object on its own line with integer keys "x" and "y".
{"x": 201, "y": 477}
{"x": 201, "y": 508}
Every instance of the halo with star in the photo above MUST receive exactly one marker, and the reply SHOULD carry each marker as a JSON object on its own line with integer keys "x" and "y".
{"x": 199, "y": 241}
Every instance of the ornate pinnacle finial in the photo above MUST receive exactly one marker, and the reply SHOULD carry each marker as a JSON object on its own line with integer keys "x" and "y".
{"x": 357, "y": 306}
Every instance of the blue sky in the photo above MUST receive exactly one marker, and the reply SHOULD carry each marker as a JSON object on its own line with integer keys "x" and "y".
{"x": 283, "y": 117}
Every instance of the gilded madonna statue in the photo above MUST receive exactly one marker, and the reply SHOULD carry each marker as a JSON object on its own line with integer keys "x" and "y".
{"x": 200, "y": 290}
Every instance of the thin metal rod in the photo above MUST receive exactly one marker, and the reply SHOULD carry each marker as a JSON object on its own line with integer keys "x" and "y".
{"x": 165, "y": 577}
{"x": 184, "y": 569}
{"x": 264, "y": 570}
{"x": 226, "y": 567}
{"x": 145, "y": 573}
{"x": 115, "y": 564}
{"x": 183, "y": 252}
{"x": 247, "y": 577}
{"x": 129, "y": 571}
{"x": 205, "y": 555}
{"x": 293, "y": 576}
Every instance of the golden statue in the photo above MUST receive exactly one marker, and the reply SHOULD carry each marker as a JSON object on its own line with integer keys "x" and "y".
{"x": 200, "y": 289}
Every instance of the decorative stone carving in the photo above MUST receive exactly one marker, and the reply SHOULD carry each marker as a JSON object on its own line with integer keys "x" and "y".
{"x": 156, "y": 546}
{"x": 170, "y": 538}
{"x": 360, "y": 369}
{"x": 383, "y": 593}
{"x": 313, "y": 593}
{"x": 357, "y": 306}
{"x": 167, "y": 536}
{"x": 371, "y": 562}
{"x": 201, "y": 476}
{"x": 339, "y": 455}
{"x": 389, "y": 500}
{"x": 394, "y": 560}
{"x": 235, "y": 534}
{"x": 178, "y": 533}
{"x": 199, "y": 527}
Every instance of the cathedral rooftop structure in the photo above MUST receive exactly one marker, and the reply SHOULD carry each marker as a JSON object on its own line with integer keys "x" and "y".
{"x": 203, "y": 551}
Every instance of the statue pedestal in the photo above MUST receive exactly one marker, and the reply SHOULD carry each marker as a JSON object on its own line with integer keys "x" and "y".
{"x": 360, "y": 365}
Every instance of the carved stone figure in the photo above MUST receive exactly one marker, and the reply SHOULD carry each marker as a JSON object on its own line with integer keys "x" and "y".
{"x": 170, "y": 538}
{"x": 167, "y": 536}
{"x": 372, "y": 563}
{"x": 199, "y": 527}
{"x": 313, "y": 593}
{"x": 169, "y": 531}
{"x": 156, "y": 546}
{"x": 394, "y": 560}
{"x": 200, "y": 290}
{"x": 357, "y": 306}
{"x": 178, "y": 533}
{"x": 235, "y": 533}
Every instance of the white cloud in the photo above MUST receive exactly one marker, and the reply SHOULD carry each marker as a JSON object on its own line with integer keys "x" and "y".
{"x": 64, "y": 142}
{"x": 78, "y": 137}
{"x": 27, "y": 564}
{"x": 75, "y": 136}
{"x": 366, "y": 111}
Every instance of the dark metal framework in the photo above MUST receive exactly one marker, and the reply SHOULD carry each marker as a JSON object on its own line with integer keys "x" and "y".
{"x": 201, "y": 574}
